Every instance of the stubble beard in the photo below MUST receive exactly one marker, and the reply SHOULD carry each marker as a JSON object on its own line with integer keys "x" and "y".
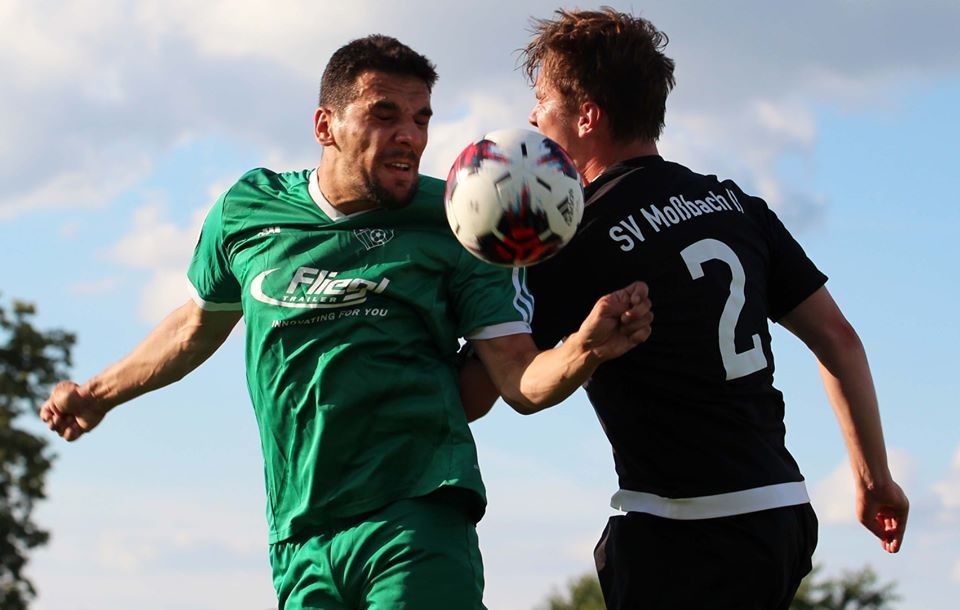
{"x": 384, "y": 197}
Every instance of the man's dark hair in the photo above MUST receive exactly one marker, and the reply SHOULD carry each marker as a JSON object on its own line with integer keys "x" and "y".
{"x": 611, "y": 58}
{"x": 375, "y": 52}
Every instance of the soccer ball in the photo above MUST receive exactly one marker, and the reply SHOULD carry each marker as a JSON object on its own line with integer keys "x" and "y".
{"x": 513, "y": 198}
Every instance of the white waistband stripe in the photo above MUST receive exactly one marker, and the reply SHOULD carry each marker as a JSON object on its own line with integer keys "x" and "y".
{"x": 711, "y": 507}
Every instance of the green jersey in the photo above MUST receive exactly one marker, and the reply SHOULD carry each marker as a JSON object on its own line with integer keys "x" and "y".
{"x": 352, "y": 327}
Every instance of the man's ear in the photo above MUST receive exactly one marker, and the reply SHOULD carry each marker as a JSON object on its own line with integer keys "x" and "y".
{"x": 323, "y": 126}
{"x": 588, "y": 118}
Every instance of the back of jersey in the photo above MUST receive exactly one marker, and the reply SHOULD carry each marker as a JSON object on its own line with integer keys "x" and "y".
{"x": 693, "y": 411}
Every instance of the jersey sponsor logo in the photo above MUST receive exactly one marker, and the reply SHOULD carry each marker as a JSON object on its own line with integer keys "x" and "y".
{"x": 372, "y": 238}
{"x": 312, "y": 288}
{"x": 269, "y": 231}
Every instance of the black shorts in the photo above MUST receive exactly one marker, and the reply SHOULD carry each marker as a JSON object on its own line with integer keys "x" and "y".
{"x": 747, "y": 562}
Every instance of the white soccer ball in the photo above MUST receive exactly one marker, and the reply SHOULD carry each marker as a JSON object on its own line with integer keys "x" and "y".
{"x": 514, "y": 198}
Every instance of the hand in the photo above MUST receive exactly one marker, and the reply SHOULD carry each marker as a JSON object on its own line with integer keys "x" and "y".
{"x": 71, "y": 411}
{"x": 883, "y": 510}
{"x": 618, "y": 322}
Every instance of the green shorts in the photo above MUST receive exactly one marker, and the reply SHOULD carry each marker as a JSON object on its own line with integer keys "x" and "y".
{"x": 414, "y": 554}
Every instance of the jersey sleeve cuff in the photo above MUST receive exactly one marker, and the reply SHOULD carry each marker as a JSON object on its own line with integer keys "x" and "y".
{"x": 779, "y": 310}
{"x": 500, "y": 330}
{"x": 213, "y": 306}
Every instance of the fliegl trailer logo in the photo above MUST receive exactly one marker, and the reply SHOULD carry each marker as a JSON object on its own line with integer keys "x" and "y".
{"x": 314, "y": 289}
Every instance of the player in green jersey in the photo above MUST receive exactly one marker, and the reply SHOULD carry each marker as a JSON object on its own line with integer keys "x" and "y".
{"x": 354, "y": 294}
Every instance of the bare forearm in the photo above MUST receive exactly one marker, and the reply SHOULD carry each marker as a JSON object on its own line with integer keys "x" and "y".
{"x": 178, "y": 345}
{"x": 557, "y": 373}
{"x": 174, "y": 348}
{"x": 818, "y": 322}
{"x": 849, "y": 386}
{"x": 551, "y": 376}
{"x": 882, "y": 507}
{"x": 530, "y": 380}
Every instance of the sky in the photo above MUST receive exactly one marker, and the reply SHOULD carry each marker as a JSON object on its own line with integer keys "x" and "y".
{"x": 121, "y": 122}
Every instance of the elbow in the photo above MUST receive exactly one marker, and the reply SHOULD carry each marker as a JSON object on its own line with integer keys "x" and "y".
{"x": 522, "y": 405}
{"x": 845, "y": 337}
{"x": 839, "y": 340}
{"x": 474, "y": 410}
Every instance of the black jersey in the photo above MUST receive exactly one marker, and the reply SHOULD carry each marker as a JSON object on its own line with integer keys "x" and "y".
{"x": 692, "y": 412}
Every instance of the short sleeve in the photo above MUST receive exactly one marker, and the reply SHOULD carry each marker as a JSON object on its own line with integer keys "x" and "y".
{"x": 489, "y": 301}
{"x": 215, "y": 286}
{"x": 793, "y": 276}
{"x": 551, "y": 319}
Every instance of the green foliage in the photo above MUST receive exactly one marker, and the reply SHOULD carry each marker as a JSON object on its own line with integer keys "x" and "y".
{"x": 31, "y": 361}
{"x": 583, "y": 593}
{"x": 856, "y": 590}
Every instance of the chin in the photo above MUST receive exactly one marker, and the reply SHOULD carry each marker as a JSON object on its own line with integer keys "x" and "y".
{"x": 395, "y": 199}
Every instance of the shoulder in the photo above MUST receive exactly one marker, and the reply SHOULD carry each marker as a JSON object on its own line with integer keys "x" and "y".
{"x": 685, "y": 174}
{"x": 430, "y": 187}
{"x": 651, "y": 178}
{"x": 429, "y": 196}
{"x": 260, "y": 185}
{"x": 264, "y": 179}
{"x": 751, "y": 204}
{"x": 426, "y": 208}
{"x": 725, "y": 187}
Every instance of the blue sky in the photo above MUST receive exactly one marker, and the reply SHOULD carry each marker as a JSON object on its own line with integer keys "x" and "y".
{"x": 121, "y": 121}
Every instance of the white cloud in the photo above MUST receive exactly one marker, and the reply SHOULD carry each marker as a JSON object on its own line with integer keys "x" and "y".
{"x": 537, "y": 510}
{"x": 155, "y": 242}
{"x": 162, "y": 249}
{"x": 255, "y": 28}
{"x": 748, "y": 145}
{"x": 83, "y": 187}
{"x": 834, "y": 497}
{"x": 100, "y": 88}
{"x": 955, "y": 574}
{"x": 70, "y": 229}
{"x": 40, "y": 46}
{"x": 483, "y": 112}
{"x": 93, "y": 287}
{"x": 793, "y": 122}
{"x": 195, "y": 551}
{"x": 949, "y": 489}
{"x": 164, "y": 292}
{"x": 120, "y": 554}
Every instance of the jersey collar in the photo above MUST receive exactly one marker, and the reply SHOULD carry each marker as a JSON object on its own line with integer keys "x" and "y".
{"x": 612, "y": 174}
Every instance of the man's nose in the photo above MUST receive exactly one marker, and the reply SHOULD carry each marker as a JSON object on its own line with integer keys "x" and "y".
{"x": 410, "y": 134}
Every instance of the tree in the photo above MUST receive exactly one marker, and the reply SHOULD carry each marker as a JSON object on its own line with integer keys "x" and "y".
{"x": 857, "y": 590}
{"x": 583, "y": 593}
{"x": 31, "y": 361}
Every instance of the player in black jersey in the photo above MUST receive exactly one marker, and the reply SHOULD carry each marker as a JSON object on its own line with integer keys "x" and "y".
{"x": 717, "y": 514}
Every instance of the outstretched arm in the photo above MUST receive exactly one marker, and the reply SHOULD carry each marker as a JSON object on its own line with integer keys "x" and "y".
{"x": 178, "y": 345}
{"x": 530, "y": 380}
{"x": 882, "y": 506}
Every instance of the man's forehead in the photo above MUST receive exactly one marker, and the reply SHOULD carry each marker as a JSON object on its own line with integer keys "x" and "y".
{"x": 374, "y": 86}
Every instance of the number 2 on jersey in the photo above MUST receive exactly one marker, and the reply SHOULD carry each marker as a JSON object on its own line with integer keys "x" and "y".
{"x": 735, "y": 364}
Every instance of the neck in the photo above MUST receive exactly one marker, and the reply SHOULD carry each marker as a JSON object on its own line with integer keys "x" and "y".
{"x": 342, "y": 199}
{"x": 612, "y": 153}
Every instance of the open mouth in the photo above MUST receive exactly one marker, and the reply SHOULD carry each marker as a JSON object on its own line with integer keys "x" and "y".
{"x": 403, "y": 166}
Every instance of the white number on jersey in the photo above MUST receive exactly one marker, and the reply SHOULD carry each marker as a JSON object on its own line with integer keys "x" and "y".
{"x": 736, "y": 364}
